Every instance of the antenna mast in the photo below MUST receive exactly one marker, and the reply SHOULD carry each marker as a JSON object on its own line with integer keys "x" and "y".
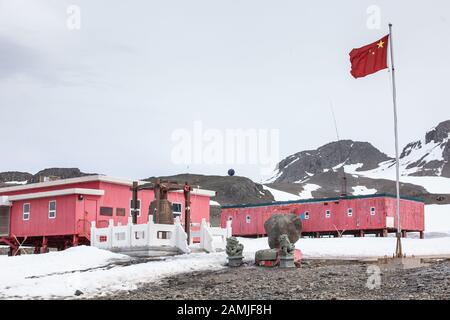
{"x": 344, "y": 177}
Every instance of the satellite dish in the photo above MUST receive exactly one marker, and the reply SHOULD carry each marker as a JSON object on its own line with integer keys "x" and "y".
{"x": 231, "y": 172}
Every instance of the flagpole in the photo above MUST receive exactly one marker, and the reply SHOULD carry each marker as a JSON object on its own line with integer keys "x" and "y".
{"x": 398, "y": 250}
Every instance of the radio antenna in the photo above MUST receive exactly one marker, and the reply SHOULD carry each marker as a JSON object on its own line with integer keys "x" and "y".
{"x": 344, "y": 177}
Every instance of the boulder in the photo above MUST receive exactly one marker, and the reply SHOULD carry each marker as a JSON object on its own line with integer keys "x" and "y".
{"x": 266, "y": 254}
{"x": 276, "y": 225}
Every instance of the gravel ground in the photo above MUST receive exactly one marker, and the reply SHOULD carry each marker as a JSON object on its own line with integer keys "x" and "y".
{"x": 314, "y": 280}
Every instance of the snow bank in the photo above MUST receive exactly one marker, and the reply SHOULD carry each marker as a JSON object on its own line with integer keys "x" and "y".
{"x": 279, "y": 195}
{"x": 437, "y": 218}
{"x": 214, "y": 203}
{"x": 386, "y": 170}
{"x": 59, "y": 274}
{"x": 307, "y": 189}
{"x": 363, "y": 190}
{"x": 16, "y": 182}
{"x": 72, "y": 259}
{"x": 368, "y": 247}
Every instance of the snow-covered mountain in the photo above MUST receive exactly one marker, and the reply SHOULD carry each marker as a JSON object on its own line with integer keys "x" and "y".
{"x": 424, "y": 167}
{"x": 429, "y": 156}
{"x": 299, "y": 167}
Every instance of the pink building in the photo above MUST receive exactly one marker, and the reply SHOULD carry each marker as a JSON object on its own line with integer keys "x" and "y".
{"x": 59, "y": 213}
{"x": 354, "y": 215}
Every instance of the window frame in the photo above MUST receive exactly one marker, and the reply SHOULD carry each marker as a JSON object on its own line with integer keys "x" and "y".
{"x": 106, "y": 215}
{"x": 349, "y": 212}
{"x": 23, "y": 211}
{"x": 50, "y": 211}
{"x": 177, "y": 214}
{"x": 121, "y": 209}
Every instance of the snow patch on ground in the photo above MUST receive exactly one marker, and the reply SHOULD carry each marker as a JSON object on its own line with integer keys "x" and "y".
{"x": 368, "y": 247}
{"x": 279, "y": 195}
{"x": 291, "y": 163}
{"x": 59, "y": 275}
{"x": 214, "y": 203}
{"x": 426, "y": 153}
{"x": 352, "y": 167}
{"x": 16, "y": 182}
{"x": 275, "y": 176}
{"x": 363, "y": 190}
{"x": 437, "y": 218}
{"x": 387, "y": 171}
{"x": 307, "y": 189}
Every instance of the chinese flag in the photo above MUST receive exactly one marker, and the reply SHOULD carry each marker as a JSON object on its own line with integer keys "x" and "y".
{"x": 369, "y": 59}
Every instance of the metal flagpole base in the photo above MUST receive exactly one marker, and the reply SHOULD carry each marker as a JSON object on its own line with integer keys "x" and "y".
{"x": 398, "y": 250}
{"x": 403, "y": 263}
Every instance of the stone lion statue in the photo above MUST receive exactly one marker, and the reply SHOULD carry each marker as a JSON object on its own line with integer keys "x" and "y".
{"x": 286, "y": 247}
{"x": 234, "y": 248}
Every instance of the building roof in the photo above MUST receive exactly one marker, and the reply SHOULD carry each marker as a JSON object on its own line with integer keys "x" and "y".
{"x": 55, "y": 193}
{"x": 280, "y": 203}
{"x": 102, "y": 178}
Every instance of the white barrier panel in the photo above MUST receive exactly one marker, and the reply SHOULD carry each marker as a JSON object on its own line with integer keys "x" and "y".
{"x": 140, "y": 235}
{"x": 213, "y": 239}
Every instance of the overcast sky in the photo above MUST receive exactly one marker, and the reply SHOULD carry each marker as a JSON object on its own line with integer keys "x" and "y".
{"x": 106, "y": 98}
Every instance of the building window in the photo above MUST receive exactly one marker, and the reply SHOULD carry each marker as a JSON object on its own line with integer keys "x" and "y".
{"x": 327, "y": 214}
{"x": 106, "y": 211}
{"x": 52, "y": 209}
{"x": 350, "y": 212}
{"x": 176, "y": 209}
{"x": 247, "y": 219}
{"x": 138, "y": 207}
{"x": 372, "y": 211}
{"x": 306, "y": 215}
{"x": 26, "y": 211}
{"x": 120, "y": 212}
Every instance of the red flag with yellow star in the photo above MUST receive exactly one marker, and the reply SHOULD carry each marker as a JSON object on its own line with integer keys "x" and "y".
{"x": 369, "y": 59}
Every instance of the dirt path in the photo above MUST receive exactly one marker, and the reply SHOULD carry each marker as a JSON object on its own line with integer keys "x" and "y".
{"x": 315, "y": 280}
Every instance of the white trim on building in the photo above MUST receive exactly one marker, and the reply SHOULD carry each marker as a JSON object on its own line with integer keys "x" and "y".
{"x": 101, "y": 178}
{"x": 4, "y": 201}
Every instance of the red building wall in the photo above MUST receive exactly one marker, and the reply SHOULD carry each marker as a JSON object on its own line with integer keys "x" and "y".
{"x": 249, "y": 221}
{"x": 412, "y": 215}
{"x": 74, "y": 215}
{"x": 119, "y": 196}
{"x": 39, "y": 223}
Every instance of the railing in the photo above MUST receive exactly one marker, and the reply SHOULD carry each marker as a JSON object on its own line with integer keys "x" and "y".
{"x": 140, "y": 235}
{"x": 212, "y": 239}
{"x": 159, "y": 235}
